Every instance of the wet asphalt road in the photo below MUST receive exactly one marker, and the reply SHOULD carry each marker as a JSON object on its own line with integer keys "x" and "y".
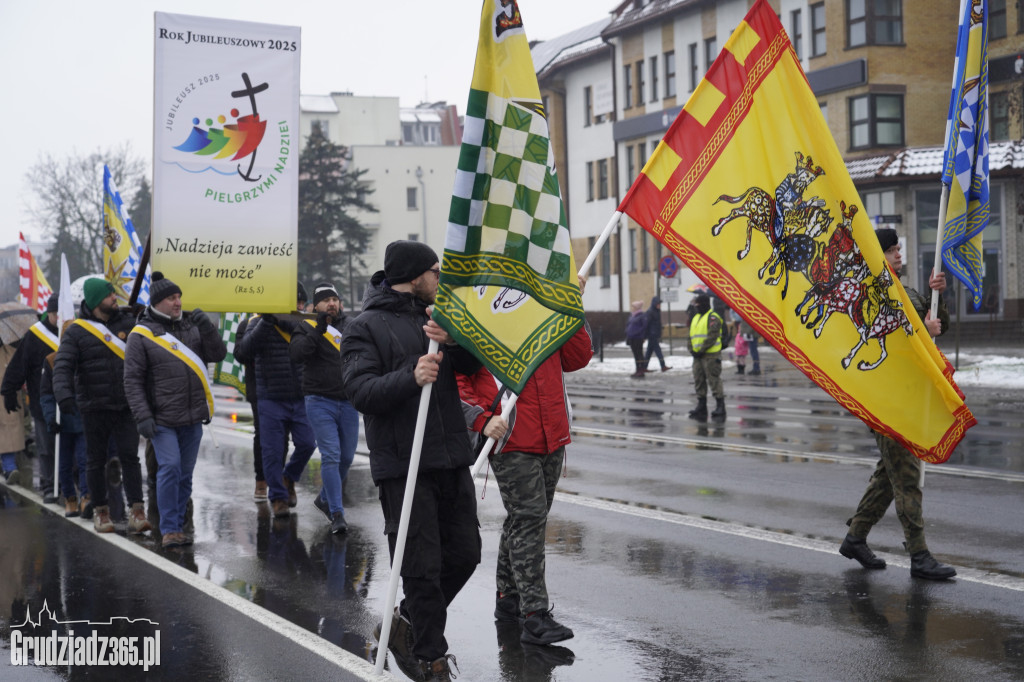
{"x": 676, "y": 551}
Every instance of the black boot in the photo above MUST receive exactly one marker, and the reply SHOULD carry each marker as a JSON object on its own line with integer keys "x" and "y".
{"x": 701, "y": 411}
{"x": 638, "y": 374}
{"x": 924, "y": 565}
{"x": 719, "y": 412}
{"x": 741, "y": 369}
{"x": 857, "y": 548}
{"x": 757, "y": 368}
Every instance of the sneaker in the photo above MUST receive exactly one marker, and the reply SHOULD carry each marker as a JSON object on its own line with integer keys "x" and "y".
{"x": 137, "y": 521}
{"x": 338, "y": 523}
{"x": 290, "y": 485}
{"x": 70, "y": 507}
{"x": 172, "y": 540}
{"x": 321, "y": 504}
{"x": 48, "y": 496}
{"x": 260, "y": 494}
{"x": 541, "y": 628}
{"x": 400, "y": 645}
{"x": 438, "y": 670}
{"x": 506, "y": 609}
{"x": 101, "y": 519}
{"x": 12, "y": 477}
{"x": 281, "y": 509}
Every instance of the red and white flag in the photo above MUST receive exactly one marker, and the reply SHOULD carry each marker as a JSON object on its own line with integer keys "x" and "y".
{"x": 34, "y": 291}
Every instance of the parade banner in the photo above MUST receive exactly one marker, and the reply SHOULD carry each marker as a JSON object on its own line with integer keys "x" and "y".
{"x": 122, "y": 251}
{"x": 33, "y": 289}
{"x": 226, "y": 161}
{"x": 749, "y": 189}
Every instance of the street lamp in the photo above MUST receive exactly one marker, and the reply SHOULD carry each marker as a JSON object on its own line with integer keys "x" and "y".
{"x": 423, "y": 194}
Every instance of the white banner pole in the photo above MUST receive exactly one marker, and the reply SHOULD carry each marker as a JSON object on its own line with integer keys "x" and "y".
{"x": 506, "y": 409}
{"x": 589, "y": 262}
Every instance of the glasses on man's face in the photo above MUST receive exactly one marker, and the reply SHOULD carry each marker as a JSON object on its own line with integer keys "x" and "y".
{"x": 437, "y": 272}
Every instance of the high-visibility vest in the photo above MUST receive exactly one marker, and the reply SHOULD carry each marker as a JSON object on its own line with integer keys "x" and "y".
{"x": 699, "y": 332}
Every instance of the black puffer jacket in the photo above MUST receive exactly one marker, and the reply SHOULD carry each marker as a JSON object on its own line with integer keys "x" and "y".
{"x": 158, "y": 385}
{"x": 320, "y": 360}
{"x": 277, "y": 377}
{"x": 27, "y": 367}
{"x": 86, "y": 370}
{"x": 378, "y": 354}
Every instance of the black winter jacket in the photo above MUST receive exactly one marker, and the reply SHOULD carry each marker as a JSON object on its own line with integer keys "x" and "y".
{"x": 86, "y": 370}
{"x": 247, "y": 361}
{"x": 26, "y": 368}
{"x": 320, "y": 360}
{"x": 378, "y": 354}
{"x": 277, "y": 377}
{"x": 160, "y": 386}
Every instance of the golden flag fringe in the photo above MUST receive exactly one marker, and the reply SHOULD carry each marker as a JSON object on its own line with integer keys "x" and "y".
{"x": 749, "y": 189}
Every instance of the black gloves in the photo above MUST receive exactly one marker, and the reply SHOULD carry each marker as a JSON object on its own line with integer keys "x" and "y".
{"x": 11, "y": 402}
{"x": 52, "y": 427}
{"x": 147, "y": 428}
{"x": 202, "y": 320}
{"x": 321, "y": 322}
{"x": 68, "y": 406}
{"x": 269, "y": 318}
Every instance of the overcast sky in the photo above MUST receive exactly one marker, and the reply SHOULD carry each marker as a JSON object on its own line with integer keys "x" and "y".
{"x": 77, "y": 75}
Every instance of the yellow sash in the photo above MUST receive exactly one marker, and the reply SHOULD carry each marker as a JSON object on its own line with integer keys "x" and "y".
{"x": 172, "y": 345}
{"x": 100, "y": 331}
{"x": 48, "y": 337}
{"x": 332, "y": 334}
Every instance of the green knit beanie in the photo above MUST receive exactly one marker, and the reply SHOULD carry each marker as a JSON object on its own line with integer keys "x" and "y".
{"x": 96, "y": 290}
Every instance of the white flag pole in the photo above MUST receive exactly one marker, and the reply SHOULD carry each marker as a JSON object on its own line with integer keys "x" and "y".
{"x": 589, "y": 262}
{"x": 65, "y": 312}
{"x": 937, "y": 267}
{"x": 403, "y": 524}
{"x": 506, "y": 409}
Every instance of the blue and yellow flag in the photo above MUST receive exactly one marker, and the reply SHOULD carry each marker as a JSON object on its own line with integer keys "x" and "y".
{"x": 508, "y": 289}
{"x": 965, "y": 163}
{"x": 749, "y": 189}
{"x": 122, "y": 251}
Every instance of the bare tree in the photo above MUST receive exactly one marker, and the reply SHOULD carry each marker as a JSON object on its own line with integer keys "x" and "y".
{"x": 67, "y": 204}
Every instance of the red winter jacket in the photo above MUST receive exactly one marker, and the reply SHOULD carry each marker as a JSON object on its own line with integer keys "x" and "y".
{"x": 541, "y": 414}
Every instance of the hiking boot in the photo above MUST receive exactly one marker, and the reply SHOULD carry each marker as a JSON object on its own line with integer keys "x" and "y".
{"x": 541, "y": 628}
{"x": 281, "y": 509}
{"x": 400, "y": 645}
{"x": 438, "y": 670}
{"x": 290, "y": 485}
{"x": 260, "y": 494}
{"x": 338, "y": 523}
{"x": 857, "y": 548}
{"x": 101, "y": 519}
{"x": 700, "y": 412}
{"x": 756, "y": 370}
{"x": 173, "y": 540}
{"x": 719, "y": 412}
{"x": 321, "y": 504}
{"x": 113, "y": 472}
{"x": 506, "y": 609}
{"x": 137, "y": 521}
{"x": 924, "y": 565}
{"x": 85, "y": 507}
{"x": 70, "y": 507}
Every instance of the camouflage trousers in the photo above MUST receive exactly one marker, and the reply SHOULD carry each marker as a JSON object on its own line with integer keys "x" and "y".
{"x": 897, "y": 477}
{"x": 527, "y": 483}
{"x": 707, "y": 371}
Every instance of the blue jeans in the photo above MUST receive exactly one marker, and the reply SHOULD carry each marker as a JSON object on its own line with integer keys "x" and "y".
{"x": 277, "y": 418}
{"x": 336, "y": 425}
{"x": 176, "y": 449}
{"x": 72, "y": 453}
{"x": 9, "y": 460}
{"x": 654, "y": 347}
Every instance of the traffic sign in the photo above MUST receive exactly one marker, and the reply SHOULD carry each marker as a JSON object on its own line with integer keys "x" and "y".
{"x": 668, "y": 267}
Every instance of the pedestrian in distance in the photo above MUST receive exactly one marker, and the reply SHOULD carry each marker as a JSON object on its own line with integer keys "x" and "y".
{"x": 316, "y": 345}
{"x": 88, "y": 375}
{"x": 282, "y": 410}
{"x": 654, "y": 328}
{"x": 740, "y": 351}
{"x": 12, "y": 423}
{"x": 749, "y": 335}
{"x": 527, "y": 465}
{"x": 169, "y": 393}
{"x": 706, "y": 348}
{"x": 897, "y": 476}
{"x": 636, "y": 331}
{"x": 385, "y": 365}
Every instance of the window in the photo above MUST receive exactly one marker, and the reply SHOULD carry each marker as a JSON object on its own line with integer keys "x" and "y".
{"x": 824, "y": 110}
{"x": 602, "y": 179}
{"x": 590, "y": 180}
{"x": 710, "y": 52}
{"x": 606, "y": 264}
{"x": 588, "y": 106}
{"x": 645, "y": 260}
{"x": 632, "y": 250}
{"x": 796, "y": 31}
{"x": 641, "y": 154}
{"x": 876, "y": 121}
{"x": 320, "y": 125}
{"x": 670, "y": 74}
{"x": 874, "y": 22}
{"x": 410, "y": 198}
{"x": 694, "y": 67}
{"x": 627, "y": 86}
{"x": 999, "y": 116}
{"x": 654, "y": 79}
{"x": 630, "y": 164}
{"x": 879, "y": 203}
{"x": 818, "y": 29}
{"x": 997, "y": 18}
{"x": 408, "y": 134}
{"x": 639, "y": 83}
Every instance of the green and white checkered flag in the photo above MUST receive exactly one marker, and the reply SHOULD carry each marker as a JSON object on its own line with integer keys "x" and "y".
{"x": 229, "y": 371}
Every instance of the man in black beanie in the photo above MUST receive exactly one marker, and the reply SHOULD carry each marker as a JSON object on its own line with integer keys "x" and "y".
{"x": 898, "y": 473}
{"x": 385, "y": 365}
{"x": 25, "y": 369}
